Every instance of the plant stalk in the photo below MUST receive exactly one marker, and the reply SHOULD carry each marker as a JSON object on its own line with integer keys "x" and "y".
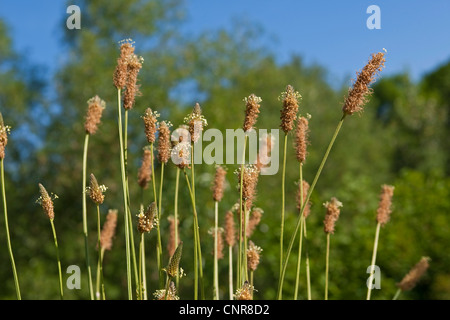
{"x": 61, "y": 290}
{"x": 374, "y": 257}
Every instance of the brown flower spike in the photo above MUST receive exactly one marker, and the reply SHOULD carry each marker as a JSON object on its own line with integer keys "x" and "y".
{"x": 219, "y": 182}
{"x": 249, "y": 182}
{"x": 196, "y": 122}
{"x": 164, "y": 143}
{"x": 414, "y": 275}
{"x": 230, "y": 229}
{"x": 290, "y": 108}
{"x": 254, "y": 220}
{"x": 46, "y": 202}
{"x": 148, "y": 219}
{"x": 145, "y": 171}
{"x": 301, "y": 139}
{"x": 252, "y": 105}
{"x": 120, "y": 74}
{"x": 384, "y": 206}
{"x": 94, "y": 114}
{"x": 96, "y": 191}
{"x": 332, "y": 215}
{"x": 220, "y": 232}
{"x": 4, "y": 130}
{"x": 108, "y": 230}
{"x": 253, "y": 256}
{"x": 174, "y": 263}
{"x": 150, "y": 118}
{"x": 357, "y": 95}
{"x": 134, "y": 65}
{"x": 245, "y": 293}
{"x": 171, "y": 246}
{"x": 307, "y": 209}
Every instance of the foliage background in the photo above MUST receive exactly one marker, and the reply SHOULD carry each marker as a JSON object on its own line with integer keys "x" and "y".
{"x": 400, "y": 139}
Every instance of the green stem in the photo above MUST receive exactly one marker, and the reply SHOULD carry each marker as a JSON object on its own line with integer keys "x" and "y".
{"x": 167, "y": 287}
{"x": 239, "y": 262}
{"x": 177, "y": 183}
{"x": 308, "y": 274}
{"x": 61, "y": 291}
{"x": 125, "y": 202}
{"x": 158, "y": 230}
{"x": 99, "y": 264}
{"x": 311, "y": 189}
{"x": 85, "y": 226}
{"x": 159, "y": 216}
{"x": 283, "y": 194}
{"x": 197, "y": 227}
{"x": 102, "y": 254}
{"x": 8, "y": 238}
{"x": 251, "y": 282}
{"x": 374, "y": 257}
{"x": 327, "y": 266}
{"x": 397, "y": 294}
{"x": 130, "y": 220}
{"x": 141, "y": 264}
{"x": 299, "y": 258}
{"x": 244, "y": 253}
{"x": 216, "y": 262}
{"x": 230, "y": 271}
{"x": 197, "y": 247}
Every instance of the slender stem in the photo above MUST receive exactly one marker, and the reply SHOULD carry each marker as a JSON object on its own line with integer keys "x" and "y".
{"x": 167, "y": 287}
{"x": 283, "y": 194}
{"x": 397, "y": 294}
{"x": 141, "y": 264}
{"x": 102, "y": 254}
{"x": 197, "y": 244}
{"x": 327, "y": 266}
{"x": 85, "y": 226}
{"x": 197, "y": 227}
{"x": 175, "y": 209}
{"x": 311, "y": 189}
{"x": 251, "y": 282}
{"x": 299, "y": 258}
{"x": 216, "y": 262}
{"x": 99, "y": 264}
{"x": 230, "y": 271}
{"x": 158, "y": 230}
{"x": 159, "y": 216}
{"x": 144, "y": 272}
{"x": 130, "y": 220}
{"x": 61, "y": 291}
{"x": 239, "y": 262}
{"x": 374, "y": 257}
{"x": 125, "y": 202}
{"x": 244, "y": 253}
{"x": 308, "y": 274}
{"x": 8, "y": 238}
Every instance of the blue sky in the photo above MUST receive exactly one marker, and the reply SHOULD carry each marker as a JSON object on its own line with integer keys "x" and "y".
{"x": 330, "y": 33}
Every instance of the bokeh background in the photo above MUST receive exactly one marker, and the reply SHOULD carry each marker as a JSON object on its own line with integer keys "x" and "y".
{"x": 217, "y": 53}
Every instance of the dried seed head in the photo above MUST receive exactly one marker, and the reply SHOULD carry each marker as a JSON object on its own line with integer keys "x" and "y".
{"x": 414, "y": 275}
{"x": 108, "y": 230}
{"x": 265, "y": 150}
{"x": 332, "y": 215}
{"x": 253, "y": 256}
{"x": 384, "y": 206}
{"x": 181, "y": 134}
{"x": 252, "y": 105}
{"x": 290, "y": 108}
{"x": 46, "y": 202}
{"x": 305, "y": 187}
{"x": 4, "y": 130}
{"x": 96, "y": 191}
{"x": 301, "y": 139}
{"x": 174, "y": 263}
{"x": 219, "y": 183}
{"x": 120, "y": 74}
{"x": 150, "y": 118}
{"x": 357, "y": 95}
{"x": 145, "y": 171}
{"x": 249, "y": 182}
{"x": 254, "y": 220}
{"x": 94, "y": 114}
{"x": 171, "y": 294}
{"x": 181, "y": 155}
{"x": 149, "y": 219}
{"x": 134, "y": 65}
{"x": 244, "y": 293}
{"x": 171, "y": 246}
{"x": 164, "y": 142}
{"x": 196, "y": 122}
{"x": 230, "y": 230}
{"x": 220, "y": 232}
